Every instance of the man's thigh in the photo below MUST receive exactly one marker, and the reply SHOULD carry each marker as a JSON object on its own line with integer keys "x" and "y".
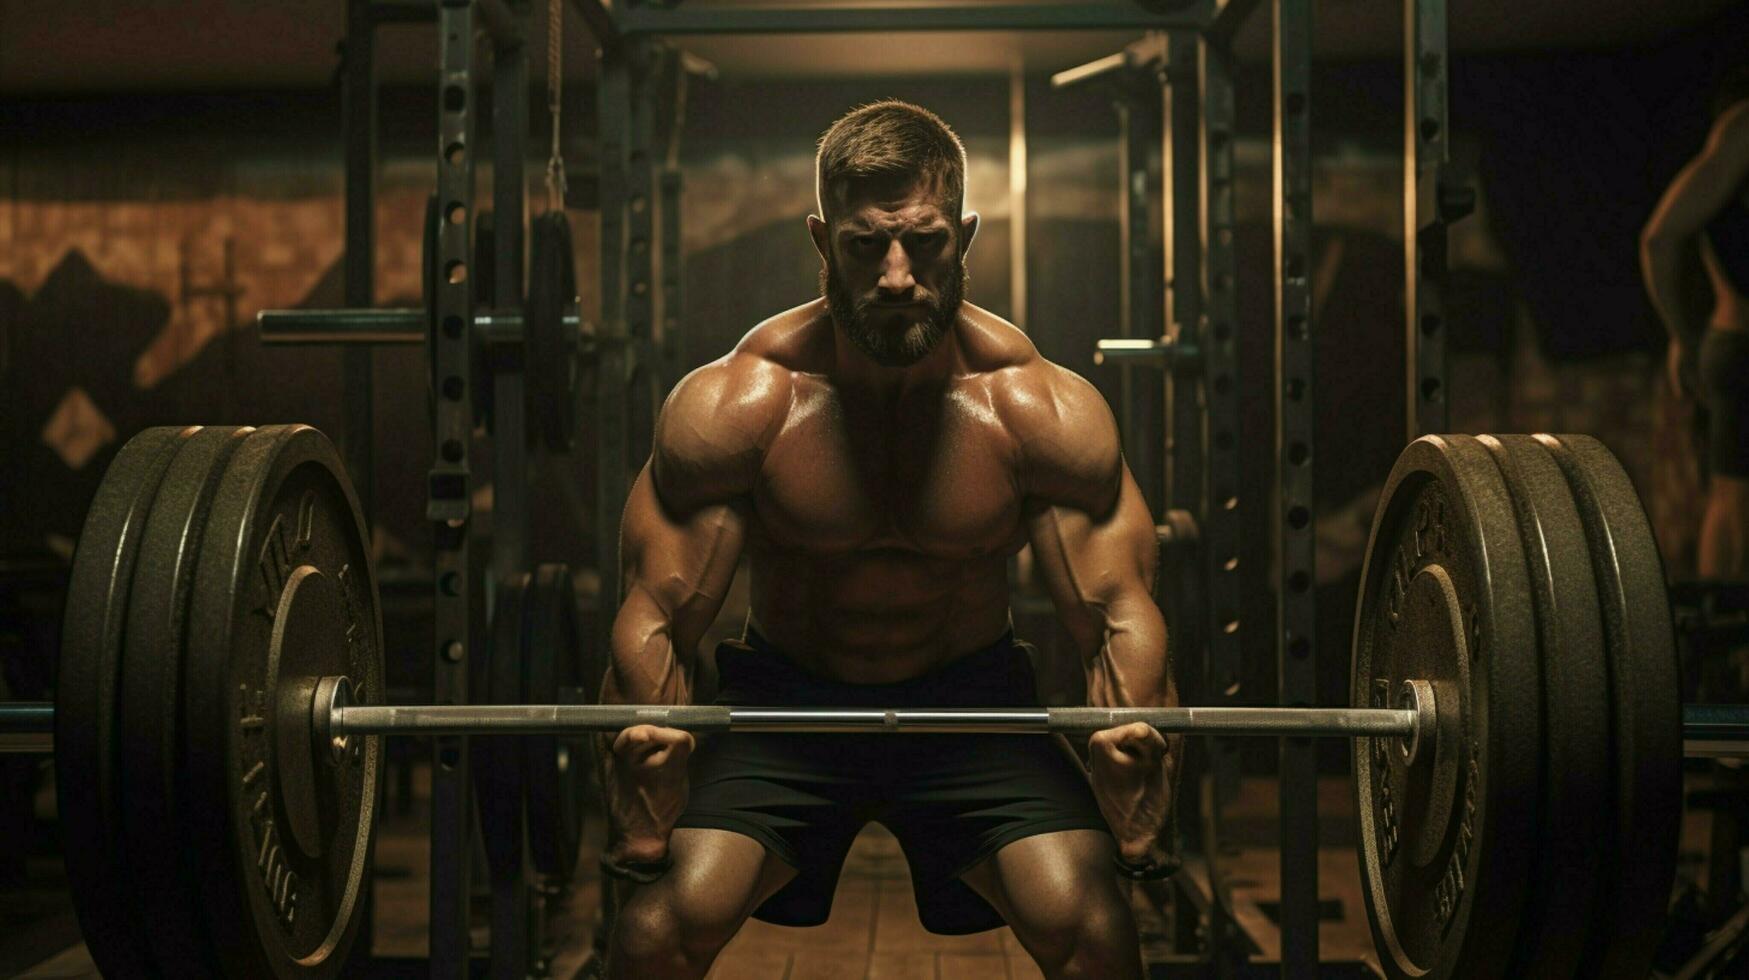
{"x": 718, "y": 878}
{"x": 1046, "y": 877}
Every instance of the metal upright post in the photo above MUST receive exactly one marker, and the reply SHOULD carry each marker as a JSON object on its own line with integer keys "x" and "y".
{"x": 671, "y": 307}
{"x": 1427, "y": 206}
{"x": 510, "y": 507}
{"x": 1139, "y": 270}
{"x": 358, "y": 124}
{"x": 650, "y": 61}
{"x": 359, "y": 127}
{"x": 670, "y": 255}
{"x": 450, "y": 490}
{"x": 1220, "y": 314}
{"x": 1017, "y": 170}
{"x": 511, "y": 942}
{"x": 1182, "y": 259}
{"x": 1296, "y": 606}
{"x": 613, "y": 90}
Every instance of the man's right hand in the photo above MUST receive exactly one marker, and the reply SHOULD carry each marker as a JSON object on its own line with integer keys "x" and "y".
{"x": 648, "y": 791}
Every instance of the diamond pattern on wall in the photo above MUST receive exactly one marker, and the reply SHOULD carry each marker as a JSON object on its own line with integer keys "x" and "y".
{"x": 77, "y": 429}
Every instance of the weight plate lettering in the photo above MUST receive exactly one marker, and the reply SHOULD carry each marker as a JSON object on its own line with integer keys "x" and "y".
{"x": 284, "y": 593}
{"x": 1447, "y": 840}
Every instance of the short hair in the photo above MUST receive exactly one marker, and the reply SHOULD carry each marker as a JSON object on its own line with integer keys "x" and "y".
{"x": 890, "y": 139}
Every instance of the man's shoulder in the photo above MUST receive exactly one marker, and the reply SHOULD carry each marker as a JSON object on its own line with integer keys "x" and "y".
{"x": 1065, "y": 431}
{"x": 1033, "y": 393}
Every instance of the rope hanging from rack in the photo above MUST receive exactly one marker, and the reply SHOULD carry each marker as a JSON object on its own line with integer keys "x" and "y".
{"x": 555, "y": 102}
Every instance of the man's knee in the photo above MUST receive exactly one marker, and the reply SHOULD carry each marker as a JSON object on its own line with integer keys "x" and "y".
{"x": 662, "y": 932}
{"x": 1093, "y": 936}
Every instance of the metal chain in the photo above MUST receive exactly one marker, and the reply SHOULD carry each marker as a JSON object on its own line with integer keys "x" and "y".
{"x": 555, "y": 83}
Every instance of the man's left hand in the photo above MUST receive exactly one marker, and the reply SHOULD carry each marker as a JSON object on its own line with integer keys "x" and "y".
{"x": 1129, "y": 783}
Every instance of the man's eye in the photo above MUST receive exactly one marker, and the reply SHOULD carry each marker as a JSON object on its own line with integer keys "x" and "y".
{"x": 865, "y": 241}
{"x": 931, "y": 239}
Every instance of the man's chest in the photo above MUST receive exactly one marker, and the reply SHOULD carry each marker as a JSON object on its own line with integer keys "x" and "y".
{"x": 937, "y": 475}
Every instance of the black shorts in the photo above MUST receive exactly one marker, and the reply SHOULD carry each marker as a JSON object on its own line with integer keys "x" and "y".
{"x": 1724, "y": 386}
{"x": 951, "y": 800}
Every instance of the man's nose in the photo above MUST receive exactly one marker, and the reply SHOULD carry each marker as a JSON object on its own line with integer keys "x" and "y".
{"x": 896, "y": 278}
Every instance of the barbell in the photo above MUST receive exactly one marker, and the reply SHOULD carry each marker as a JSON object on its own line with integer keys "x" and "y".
{"x": 1517, "y": 725}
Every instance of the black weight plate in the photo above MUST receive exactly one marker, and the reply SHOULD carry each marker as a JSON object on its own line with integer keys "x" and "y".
{"x": 88, "y": 726}
{"x": 1574, "y": 809}
{"x": 497, "y": 759}
{"x": 485, "y": 268}
{"x": 156, "y": 639}
{"x": 1448, "y": 840}
{"x": 554, "y": 389}
{"x": 284, "y": 593}
{"x": 556, "y": 768}
{"x": 1646, "y": 704}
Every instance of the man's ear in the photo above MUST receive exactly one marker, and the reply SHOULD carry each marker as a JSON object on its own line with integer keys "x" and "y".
{"x": 968, "y": 231}
{"x": 817, "y": 231}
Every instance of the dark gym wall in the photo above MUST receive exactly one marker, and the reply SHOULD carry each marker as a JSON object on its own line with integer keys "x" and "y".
{"x": 143, "y": 235}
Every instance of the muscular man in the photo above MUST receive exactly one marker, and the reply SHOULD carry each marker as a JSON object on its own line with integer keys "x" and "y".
{"x": 1708, "y": 205}
{"x": 878, "y": 454}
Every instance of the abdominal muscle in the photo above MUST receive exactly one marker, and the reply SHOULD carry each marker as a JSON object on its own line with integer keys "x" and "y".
{"x": 877, "y": 617}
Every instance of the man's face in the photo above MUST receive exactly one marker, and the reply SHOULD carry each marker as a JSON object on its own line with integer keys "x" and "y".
{"x": 894, "y": 271}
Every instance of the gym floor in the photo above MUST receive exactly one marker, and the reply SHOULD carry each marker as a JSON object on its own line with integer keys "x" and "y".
{"x": 873, "y": 932}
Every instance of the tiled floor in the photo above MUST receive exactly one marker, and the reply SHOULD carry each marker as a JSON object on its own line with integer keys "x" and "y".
{"x": 873, "y": 933}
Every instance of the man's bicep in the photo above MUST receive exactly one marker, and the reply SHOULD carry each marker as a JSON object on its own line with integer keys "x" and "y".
{"x": 677, "y": 567}
{"x": 1094, "y": 566}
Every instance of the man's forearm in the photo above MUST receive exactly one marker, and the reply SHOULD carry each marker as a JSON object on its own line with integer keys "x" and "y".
{"x": 1133, "y": 669}
{"x": 646, "y": 665}
{"x": 645, "y": 668}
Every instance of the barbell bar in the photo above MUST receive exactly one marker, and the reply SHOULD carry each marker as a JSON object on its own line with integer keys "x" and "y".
{"x": 28, "y": 726}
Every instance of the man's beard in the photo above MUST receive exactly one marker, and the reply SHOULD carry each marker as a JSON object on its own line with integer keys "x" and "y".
{"x": 894, "y": 344}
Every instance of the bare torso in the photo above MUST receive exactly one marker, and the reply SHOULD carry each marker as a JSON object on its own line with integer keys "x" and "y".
{"x": 880, "y": 521}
